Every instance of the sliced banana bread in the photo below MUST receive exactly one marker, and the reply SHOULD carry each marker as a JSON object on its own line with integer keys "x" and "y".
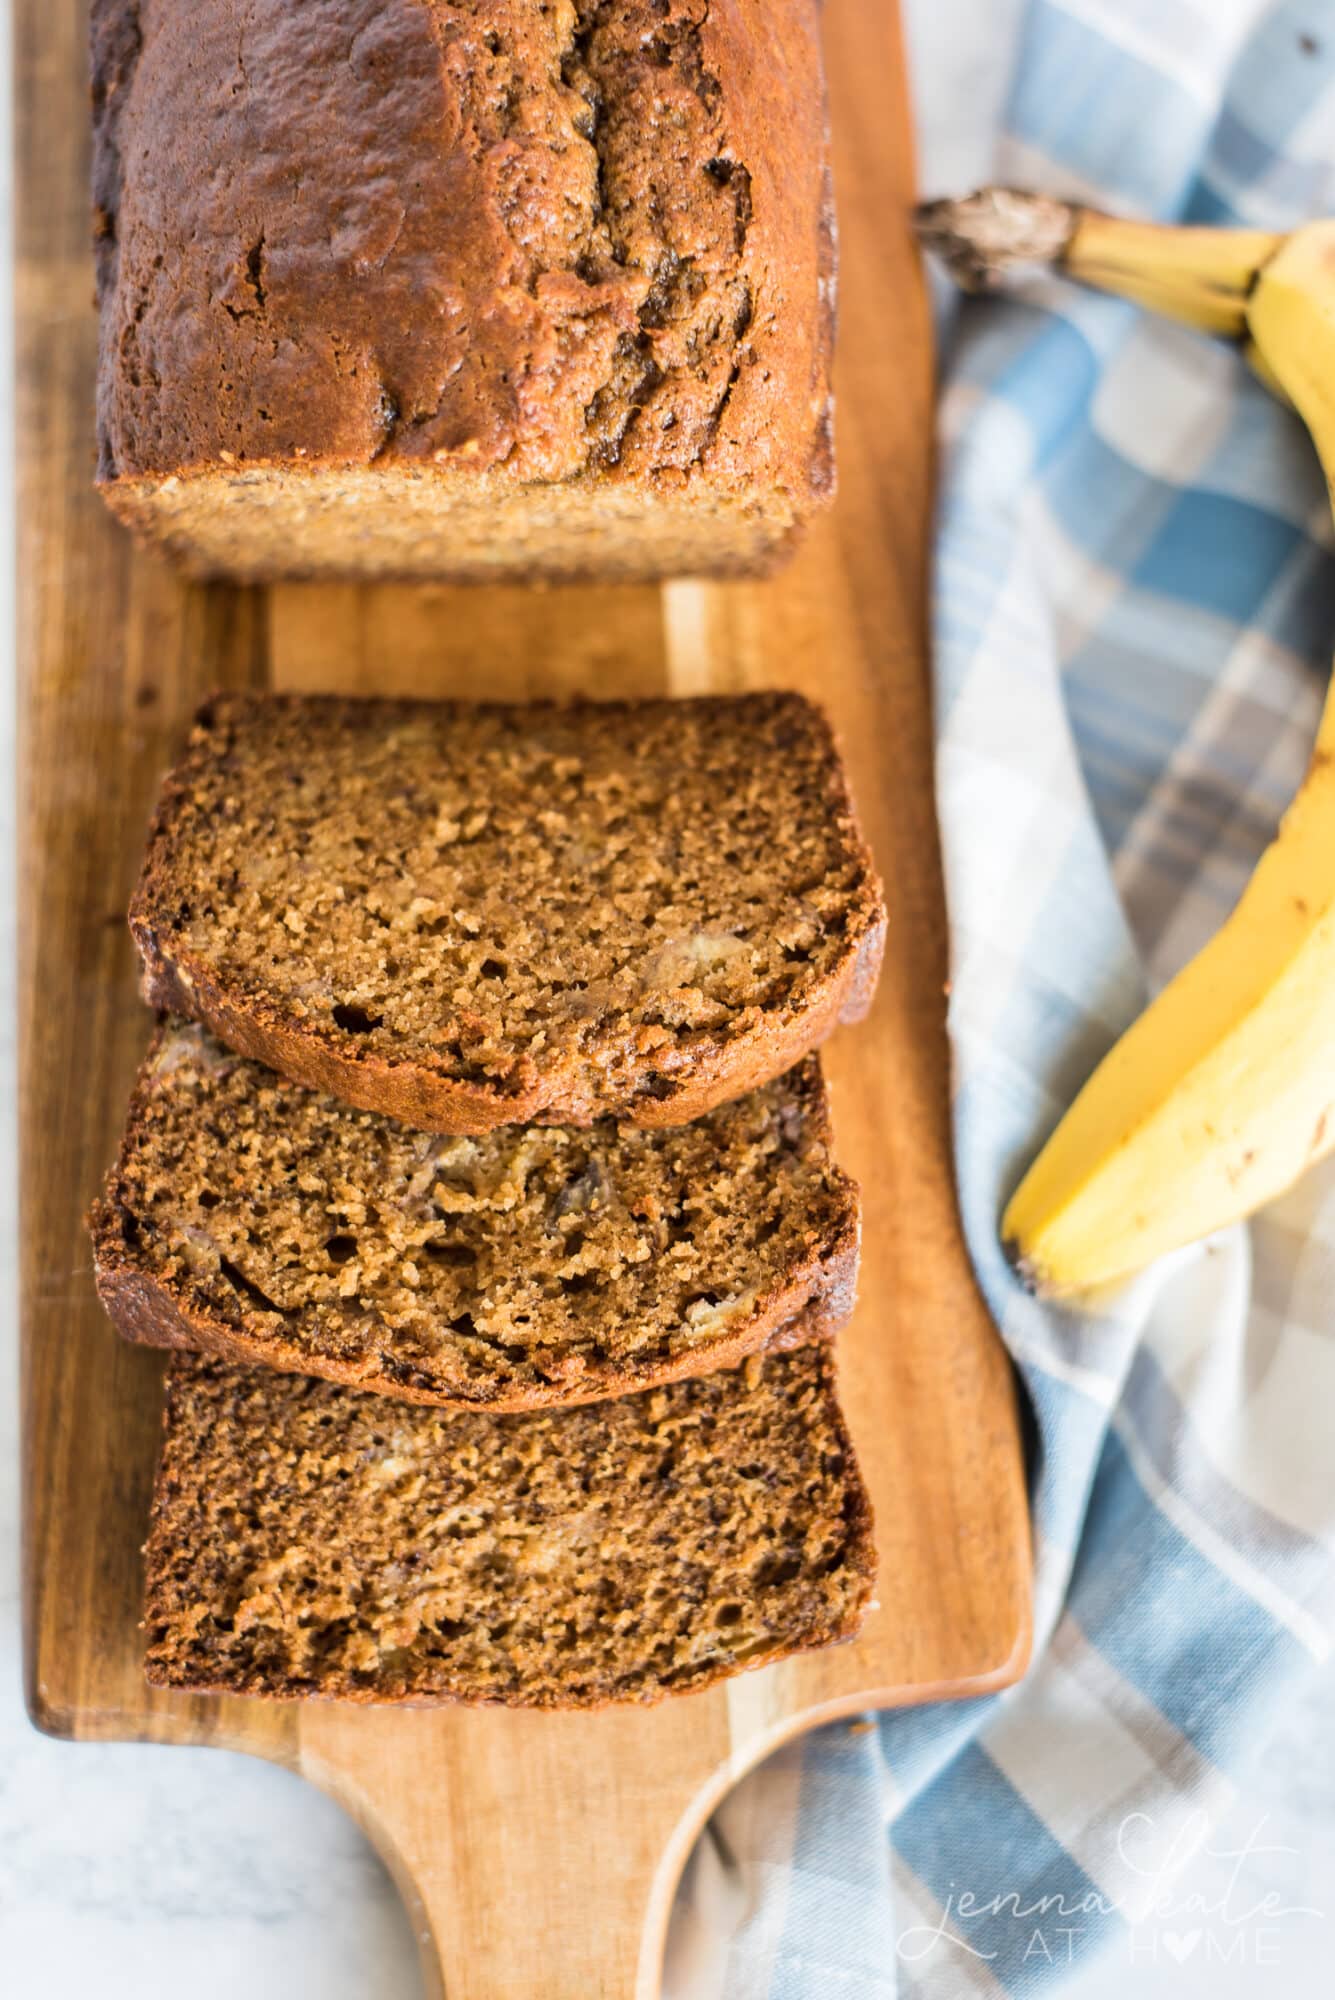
{"x": 259, "y": 1221}
{"x": 308, "y": 1540}
{"x": 466, "y": 914}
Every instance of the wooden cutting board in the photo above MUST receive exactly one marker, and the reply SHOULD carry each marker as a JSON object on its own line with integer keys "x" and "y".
{"x": 538, "y": 1853}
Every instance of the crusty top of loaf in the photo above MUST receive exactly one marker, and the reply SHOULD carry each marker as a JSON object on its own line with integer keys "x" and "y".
{"x": 551, "y": 240}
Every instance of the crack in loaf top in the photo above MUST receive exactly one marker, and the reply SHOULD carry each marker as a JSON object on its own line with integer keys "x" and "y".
{"x": 556, "y": 237}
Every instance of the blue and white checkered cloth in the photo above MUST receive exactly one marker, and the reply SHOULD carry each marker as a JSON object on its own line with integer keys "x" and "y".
{"x": 1134, "y": 616}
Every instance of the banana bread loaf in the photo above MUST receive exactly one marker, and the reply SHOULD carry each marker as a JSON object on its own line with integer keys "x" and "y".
{"x": 259, "y": 1221}
{"x": 309, "y": 1540}
{"x": 469, "y": 915}
{"x": 463, "y": 288}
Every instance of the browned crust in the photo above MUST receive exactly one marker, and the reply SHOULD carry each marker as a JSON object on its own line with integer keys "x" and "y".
{"x": 862, "y": 1563}
{"x": 564, "y": 1094}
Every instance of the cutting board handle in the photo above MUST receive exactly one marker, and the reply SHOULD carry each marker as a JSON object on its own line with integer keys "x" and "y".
{"x": 537, "y": 1855}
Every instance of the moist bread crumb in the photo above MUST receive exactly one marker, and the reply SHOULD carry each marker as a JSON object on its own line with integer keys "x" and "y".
{"x": 259, "y": 1221}
{"x": 433, "y": 289}
{"x": 470, "y": 915}
{"x": 309, "y": 1540}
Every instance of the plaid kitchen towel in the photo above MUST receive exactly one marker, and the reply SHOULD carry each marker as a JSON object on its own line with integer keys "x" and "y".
{"x": 1134, "y": 618}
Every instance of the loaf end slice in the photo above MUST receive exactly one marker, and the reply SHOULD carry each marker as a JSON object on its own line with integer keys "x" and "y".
{"x": 310, "y": 1541}
{"x": 471, "y": 915}
{"x": 384, "y": 524}
{"x": 258, "y": 1221}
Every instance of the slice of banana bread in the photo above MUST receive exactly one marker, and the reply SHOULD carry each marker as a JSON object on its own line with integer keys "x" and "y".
{"x": 467, "y": 915}
{"x": 259, "y": 1221}
{"x": 308, "y": 1540}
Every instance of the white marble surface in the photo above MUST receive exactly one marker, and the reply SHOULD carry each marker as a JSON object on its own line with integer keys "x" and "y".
{"x": 133, "y": 1871}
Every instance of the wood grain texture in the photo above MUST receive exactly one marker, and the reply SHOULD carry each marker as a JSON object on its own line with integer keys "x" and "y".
{"x": 538, "y": 1853}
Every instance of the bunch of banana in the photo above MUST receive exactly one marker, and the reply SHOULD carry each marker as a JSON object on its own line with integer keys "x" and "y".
{"x": 1223, "y": 1092}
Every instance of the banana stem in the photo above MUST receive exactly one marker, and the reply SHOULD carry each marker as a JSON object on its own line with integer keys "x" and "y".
{"x": 982, "y": 237}
{"x": 1200, "y": 276}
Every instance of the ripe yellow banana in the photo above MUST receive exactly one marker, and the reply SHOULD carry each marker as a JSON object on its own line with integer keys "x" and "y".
{"x": 1223, "y": 1092}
